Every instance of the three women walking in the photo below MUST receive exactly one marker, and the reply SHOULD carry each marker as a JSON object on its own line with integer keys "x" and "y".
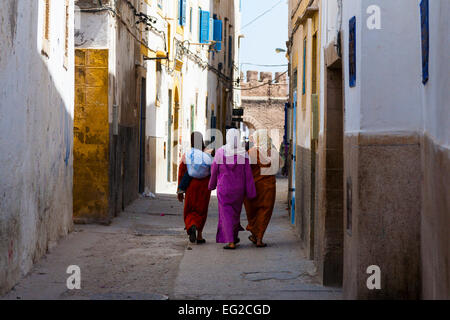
{"x": 239, "y": 178}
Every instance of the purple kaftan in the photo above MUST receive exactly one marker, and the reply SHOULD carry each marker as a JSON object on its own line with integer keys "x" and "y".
{"x": 234, "y": 182}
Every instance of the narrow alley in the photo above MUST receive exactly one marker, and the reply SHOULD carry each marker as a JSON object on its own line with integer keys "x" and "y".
{"x": 145, "y": 254}
{"x": 323, "y": 126}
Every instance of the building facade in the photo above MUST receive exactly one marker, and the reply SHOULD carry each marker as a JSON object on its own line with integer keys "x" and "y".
{"x": 381, "y": 157}
{"x": 36, "y": 119}
{"x": 193, "y": 86}
{"x": 224, "y": 64}
{"x": 179, "y": 72}
{"x": 303, "y": 49}
{"x": 109, "y": 100}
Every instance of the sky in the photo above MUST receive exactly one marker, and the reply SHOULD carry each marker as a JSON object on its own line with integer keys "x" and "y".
{"x": 264, "y": 35}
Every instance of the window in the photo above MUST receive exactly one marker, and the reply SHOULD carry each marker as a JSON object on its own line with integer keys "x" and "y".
{"x": 225, "y": 42}
{"x": 198, "y": 26}
{"x": 182, "y": 12}
{"x": 190, "y": 19}
{"x": 352, "y": 52}
{"x": 211, "y": 29}
{"x": 230, "y": 50}
{"x": 204, "y": 27}
{"x": 314, "y": 65}
{"x": 425, "y": 28}
{"x": 206, "y": 109}
{"x": 304, "y": 68}
{"x": 158, "y": 83}
{"x": 66, "y": 36}
{"x": 46, "y": 31}
{"x": 196, "y": 103}
{"x": 294, "y": 79}
{"x": 218, "y": 26}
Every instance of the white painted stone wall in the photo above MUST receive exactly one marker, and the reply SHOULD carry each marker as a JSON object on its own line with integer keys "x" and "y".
{"x": 388, "y": 82}
{"x": 36, "y": 134}
{"x": 436, "y": 93}
{"x": 352, "y": 95}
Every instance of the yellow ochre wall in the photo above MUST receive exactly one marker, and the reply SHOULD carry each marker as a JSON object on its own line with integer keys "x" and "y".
{"x": 91, "y": 136}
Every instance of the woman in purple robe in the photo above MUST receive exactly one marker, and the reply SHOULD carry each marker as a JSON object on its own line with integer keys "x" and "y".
{"x": 232, "y": 175}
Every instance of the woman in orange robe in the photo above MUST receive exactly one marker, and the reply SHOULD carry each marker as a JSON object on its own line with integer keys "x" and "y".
{"x": 259, "y": 210}
{"x": 197, "y": 197}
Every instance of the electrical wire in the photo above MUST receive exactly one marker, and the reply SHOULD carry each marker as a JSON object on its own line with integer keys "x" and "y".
{"x": 261, "y": 15}
{"x": 149, "y": 21}
{"x": 264, "y": 65}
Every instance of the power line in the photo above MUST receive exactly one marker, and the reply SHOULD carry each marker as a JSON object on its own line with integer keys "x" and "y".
{"x": 264, "y": 65}
{"x": 262, "y": 14}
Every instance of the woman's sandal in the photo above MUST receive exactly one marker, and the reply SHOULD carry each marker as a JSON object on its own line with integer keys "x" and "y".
{"x": 252, "y": 239}
{"x": 261, "y": 245}
{"x": 202, "y": 241}
{"x": 192, "y": 234}
{"x": 227, "y": 247}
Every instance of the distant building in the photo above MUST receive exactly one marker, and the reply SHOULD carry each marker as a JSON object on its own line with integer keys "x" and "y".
{"x": 263, "y": 99}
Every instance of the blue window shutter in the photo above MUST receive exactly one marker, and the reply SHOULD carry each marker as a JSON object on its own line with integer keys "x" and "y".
{"x": 204, "y": 26}
{"x": 182, "y": 10}
{"x": 352, "y": 52}
{"x": 425, "y": 26}
{"x": 218, "y": 30}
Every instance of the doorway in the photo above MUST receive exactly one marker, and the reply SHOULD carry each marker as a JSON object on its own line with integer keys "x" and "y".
{"x": 169, "y": 135}
{"x": 176, "y": 149}
{"x": 294, "y": 155}
{"x": 334, "y": 176}
{"x": 142, "y": 136}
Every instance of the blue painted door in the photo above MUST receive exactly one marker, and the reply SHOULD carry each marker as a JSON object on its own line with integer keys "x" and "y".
{"x": 294, "y": 158}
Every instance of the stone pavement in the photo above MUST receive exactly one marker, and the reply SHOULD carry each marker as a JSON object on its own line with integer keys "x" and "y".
{"x": 145, "y": 254}
{"x": 278, "y": 271}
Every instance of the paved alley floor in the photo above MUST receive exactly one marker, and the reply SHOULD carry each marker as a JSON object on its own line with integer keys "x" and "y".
{"x": 145, "y": 254}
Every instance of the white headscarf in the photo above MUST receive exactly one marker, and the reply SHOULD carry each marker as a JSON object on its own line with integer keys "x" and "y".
{"x": 234, "y": 145}
{"x": 262, "y": 140}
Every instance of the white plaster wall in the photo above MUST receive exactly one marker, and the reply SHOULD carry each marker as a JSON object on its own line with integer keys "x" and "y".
{"x": 195, "y": 78}
{"x": 391, "y": 69}
{"x": 387, "y": 93}
{"x": 194, "y": 81}
{"x": 91, "y": 30}
{"x": 330, "y": 19}
{"x": 36, "y": 134}
{"x": 352, "y": 95}
{"x": 436, "y": 93}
